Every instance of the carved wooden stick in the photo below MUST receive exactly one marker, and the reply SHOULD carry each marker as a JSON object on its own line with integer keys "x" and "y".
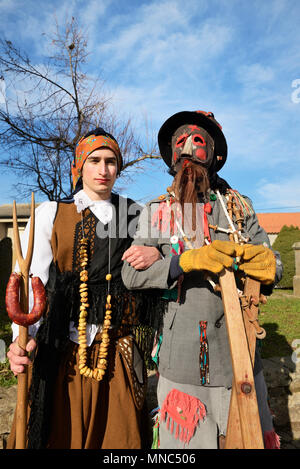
{"x": 243, "y": 390}
{"x": 243, "y": 427}
{"x": 24, "y": 265}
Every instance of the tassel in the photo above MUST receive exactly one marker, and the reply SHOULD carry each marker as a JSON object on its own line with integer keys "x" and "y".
{"x": 155, "y": 430}
{"x": 161, "y": 218}
{"x": 168, "y": 423}
{"x": 177, "y": 432}
{"x": 203, "y": 355}
{"x": 179, "y": 286}
{"x": 245, "y": 208}
{"x": 172, "y": 426}
{"x": 207, "y": 209}
{"x": 271, "y": 440}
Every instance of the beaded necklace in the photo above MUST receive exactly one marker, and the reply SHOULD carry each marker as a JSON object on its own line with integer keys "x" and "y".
{"x": 98, "y": 372}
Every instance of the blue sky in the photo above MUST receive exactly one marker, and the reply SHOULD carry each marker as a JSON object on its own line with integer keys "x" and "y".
{"x": 238, "y": 59}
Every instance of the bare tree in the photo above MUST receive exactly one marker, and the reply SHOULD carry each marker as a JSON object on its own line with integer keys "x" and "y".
{"x": 48, "y": 107}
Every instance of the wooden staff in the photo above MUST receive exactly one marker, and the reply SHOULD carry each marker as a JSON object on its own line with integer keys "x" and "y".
{"x": 243, "y": 427}
{"x": 24, "y": 265}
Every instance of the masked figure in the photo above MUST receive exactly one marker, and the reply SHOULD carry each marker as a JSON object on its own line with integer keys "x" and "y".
{"x": 201, "y": 226}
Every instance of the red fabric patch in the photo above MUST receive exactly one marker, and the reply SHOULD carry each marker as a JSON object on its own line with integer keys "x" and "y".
{"x": 185, "y": 410}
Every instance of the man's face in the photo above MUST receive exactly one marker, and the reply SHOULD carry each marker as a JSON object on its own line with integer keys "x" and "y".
{"x": 99, "y": 173}
{"x": 194, "y": 143}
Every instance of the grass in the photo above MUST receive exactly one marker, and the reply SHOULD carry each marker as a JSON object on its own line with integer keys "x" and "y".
{"x": 7, "y": 378}
{"x": 280, "y": 317}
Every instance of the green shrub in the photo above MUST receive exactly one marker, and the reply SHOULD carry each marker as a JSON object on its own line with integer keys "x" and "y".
{"x": 286, "y": 238}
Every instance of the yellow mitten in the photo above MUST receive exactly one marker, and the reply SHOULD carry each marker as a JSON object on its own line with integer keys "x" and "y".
{"x": 214, "y": 257}
{"x": 259, "y": 263}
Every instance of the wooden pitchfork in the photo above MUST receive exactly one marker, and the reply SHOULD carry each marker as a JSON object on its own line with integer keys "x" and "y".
{"x": 24, "y": 265}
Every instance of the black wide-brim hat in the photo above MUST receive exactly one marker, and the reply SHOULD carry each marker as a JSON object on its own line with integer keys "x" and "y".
{"x": 202, "y": 119}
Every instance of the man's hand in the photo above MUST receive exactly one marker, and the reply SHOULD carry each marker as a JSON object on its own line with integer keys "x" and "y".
{"x": 259, "y": 263}
{"x": 18, "y": 357}
{"x": 214, "y": 257}
{"x": 141, "y": 257}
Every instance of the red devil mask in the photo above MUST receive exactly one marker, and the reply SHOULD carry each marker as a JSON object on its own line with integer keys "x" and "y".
{"x": 190, "y": 142}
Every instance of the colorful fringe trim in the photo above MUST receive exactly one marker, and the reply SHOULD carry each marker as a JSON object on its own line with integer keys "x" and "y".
{"x": 271, "y": 440}
{"x": 155, "y": 429}
{"x": 185, "y": 411}
{"x": 242, "y": 204}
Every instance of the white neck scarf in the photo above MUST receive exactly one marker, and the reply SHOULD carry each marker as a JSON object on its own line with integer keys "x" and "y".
{"x": 101, "y": 208}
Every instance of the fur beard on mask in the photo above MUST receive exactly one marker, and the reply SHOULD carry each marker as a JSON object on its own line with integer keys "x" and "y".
{"x": 191, "y": 180}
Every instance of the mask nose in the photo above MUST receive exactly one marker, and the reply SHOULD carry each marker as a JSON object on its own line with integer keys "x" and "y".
{"x": 188, "y": 147}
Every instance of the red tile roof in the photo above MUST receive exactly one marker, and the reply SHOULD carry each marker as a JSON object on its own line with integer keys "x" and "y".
{"x": 273, "y": 222}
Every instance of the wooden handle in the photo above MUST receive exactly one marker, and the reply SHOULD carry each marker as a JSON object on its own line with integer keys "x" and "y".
{"x": 244, "y": 395}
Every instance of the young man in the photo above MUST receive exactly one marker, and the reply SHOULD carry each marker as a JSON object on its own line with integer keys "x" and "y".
{"x": 88, "y": 377}
{"x": 191, "y": 225}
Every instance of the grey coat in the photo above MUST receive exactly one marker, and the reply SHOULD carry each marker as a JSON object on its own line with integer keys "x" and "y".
{"x": 179, "y": 353}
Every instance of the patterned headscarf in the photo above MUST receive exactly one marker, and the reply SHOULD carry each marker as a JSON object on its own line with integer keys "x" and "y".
{"x": 94, "y": 140}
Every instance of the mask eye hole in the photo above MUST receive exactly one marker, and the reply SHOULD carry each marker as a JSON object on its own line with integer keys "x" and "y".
{"x": 181, "y": 140}
{"x": 199, "y": 140}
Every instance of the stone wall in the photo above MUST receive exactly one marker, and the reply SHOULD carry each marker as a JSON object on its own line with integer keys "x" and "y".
{"x": 296, "y": 278}
{"x": 282, "y": 377}
{"x": 8, "y": 398}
